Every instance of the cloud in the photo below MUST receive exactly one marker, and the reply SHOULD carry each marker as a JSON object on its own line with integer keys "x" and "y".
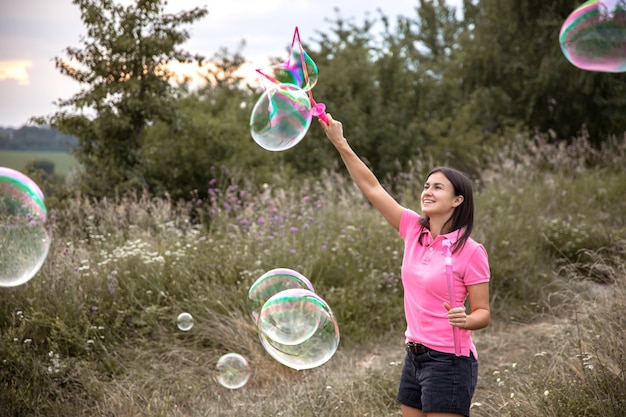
{"x": 15, "y": 70}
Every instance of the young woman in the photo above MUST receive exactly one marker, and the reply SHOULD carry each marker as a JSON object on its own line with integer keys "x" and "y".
{"x": 441, "y": 268}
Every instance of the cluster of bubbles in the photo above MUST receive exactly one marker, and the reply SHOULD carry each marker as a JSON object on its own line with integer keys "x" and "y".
{"x": 296, "y": 326}
{"x": 282, "y": 115}
{"x": 593, "y": 37}
{"x": 24, "y": 239}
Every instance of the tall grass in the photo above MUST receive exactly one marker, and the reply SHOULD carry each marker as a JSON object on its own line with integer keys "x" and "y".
{"x": 94, "y": 333}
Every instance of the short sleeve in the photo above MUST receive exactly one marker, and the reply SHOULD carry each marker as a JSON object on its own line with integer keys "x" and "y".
{"x": 477, "y": 270}
{"x": 407, "y": 222}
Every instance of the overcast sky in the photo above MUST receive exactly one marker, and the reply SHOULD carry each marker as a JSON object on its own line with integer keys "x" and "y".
{"x": 33, "y": 32}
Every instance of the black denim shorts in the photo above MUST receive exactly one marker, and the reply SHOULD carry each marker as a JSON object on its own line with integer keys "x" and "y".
{"x": 437, "y": 382}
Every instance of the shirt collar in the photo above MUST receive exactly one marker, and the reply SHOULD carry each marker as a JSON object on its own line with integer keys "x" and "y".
{"x": 452, "y": 236}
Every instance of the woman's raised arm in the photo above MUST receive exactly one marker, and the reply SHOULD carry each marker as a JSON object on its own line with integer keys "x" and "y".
{"x": 362, "y": 176}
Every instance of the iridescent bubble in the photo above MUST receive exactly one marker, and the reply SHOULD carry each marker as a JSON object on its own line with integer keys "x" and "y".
{"x": 272, "y": 282}
{"x": 291, "y": 316}
{"x": 294, "y": 71}
{"x": 24, "y": 239}
{"x": 314, "y": 350}
{"x": 184, "y": 322}
{"x": 233, "y": 371}
{"x": 281, "y": 117}
{"x": 593, "y": 37}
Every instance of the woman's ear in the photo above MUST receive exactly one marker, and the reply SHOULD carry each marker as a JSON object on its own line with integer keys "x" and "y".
{"x": 458, "y": 200}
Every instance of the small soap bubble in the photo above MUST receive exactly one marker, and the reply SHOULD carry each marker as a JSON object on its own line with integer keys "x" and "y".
{"x": 233, "y": 371}
{"x": 184, "y": 321}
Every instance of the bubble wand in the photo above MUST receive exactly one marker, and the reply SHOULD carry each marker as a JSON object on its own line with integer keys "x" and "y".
{"x": 318, "y": 109}
{"x": 286, "y": 70}
{"x": 452, "y": 294}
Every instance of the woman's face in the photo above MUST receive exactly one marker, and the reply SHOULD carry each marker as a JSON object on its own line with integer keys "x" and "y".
{"x": 438, "y": 199}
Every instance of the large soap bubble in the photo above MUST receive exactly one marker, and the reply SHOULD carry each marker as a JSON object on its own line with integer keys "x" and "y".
{"x": 281, "y": 117}
{"x": 318, "y": 338}
{"x": 272, "y": 282}
{"x": 593, "y": 37}
{"x": 24, "y": 239}
{"x": 233, "y": 371}
{"x": 291, "y": 316}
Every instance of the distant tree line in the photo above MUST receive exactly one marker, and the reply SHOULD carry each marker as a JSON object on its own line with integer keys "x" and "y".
{"x": 34, "y": 138}
{"x": 433, "y": 85}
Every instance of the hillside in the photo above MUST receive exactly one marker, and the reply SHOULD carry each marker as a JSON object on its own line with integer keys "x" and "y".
{"x": 34, "y": 138}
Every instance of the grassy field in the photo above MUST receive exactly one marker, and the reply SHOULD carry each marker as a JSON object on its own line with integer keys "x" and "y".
{"x": 63, "y": 162}
{"x": 94, "y": 333}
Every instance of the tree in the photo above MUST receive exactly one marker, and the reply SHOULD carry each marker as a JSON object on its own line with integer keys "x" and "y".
{"x": 123, "y": 64}
{"x": 432, "y": 43}
{"x": 215, "y": 141}
{"x": 512, "y": 70}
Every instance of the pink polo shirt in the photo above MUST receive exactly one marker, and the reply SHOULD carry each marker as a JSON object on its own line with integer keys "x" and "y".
{"x": 426, "y": 285}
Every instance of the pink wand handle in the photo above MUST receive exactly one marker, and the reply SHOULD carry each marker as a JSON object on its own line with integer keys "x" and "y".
{"x": 319, "y": 111}
{"x": 456, "y": 333}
